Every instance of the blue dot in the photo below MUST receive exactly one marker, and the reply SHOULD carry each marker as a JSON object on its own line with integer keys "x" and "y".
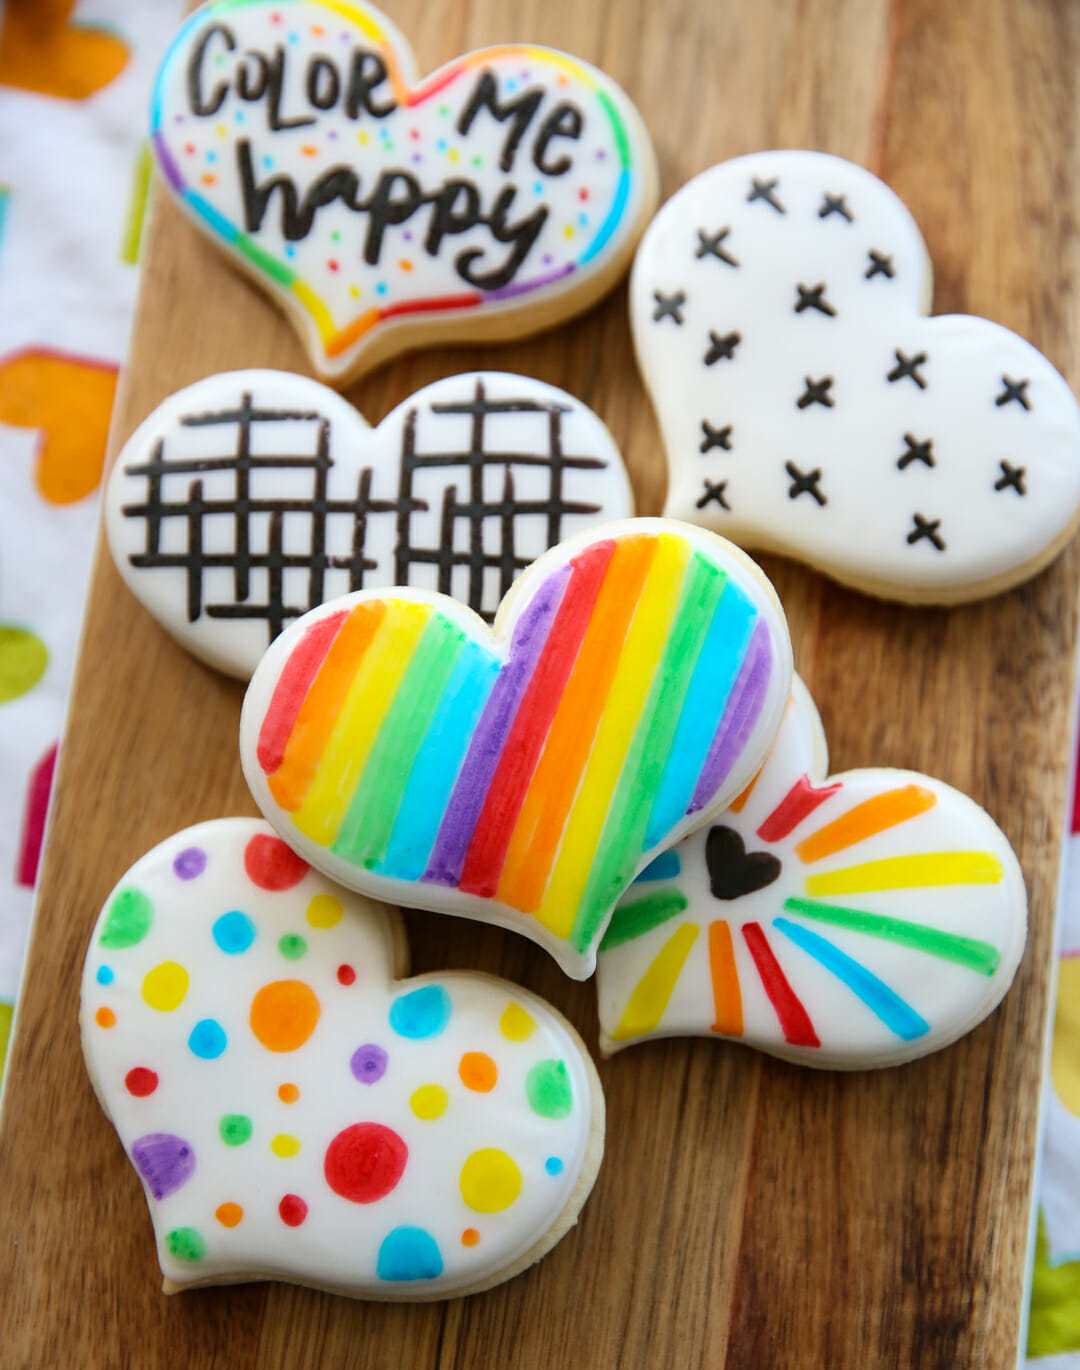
{"x": 538, "y": 187}
{"x": 290, "y": 251}
{"x": 583, "y": 219}
{"x": 441, "y": 144}
{"x": 105, "y": 975}
{"x": 409, "y": 1253}
{"x": 553, "y": 1165}
{"x": 423, "y": 1013}
{"x": 381, "y": 288}
{"x": 294, "y": 38}
{"x": 211, "y": 156}
{"x": 239, "y": 116}
{"x": 207, "y": 1039}
{"x": 268, "y": 161}
{"x": 234, "y": 932}
{"x": 511, "y": 84}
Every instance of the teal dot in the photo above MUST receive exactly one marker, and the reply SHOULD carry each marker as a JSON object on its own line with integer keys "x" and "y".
{"x": 207, "y": 1039}
{"x": 423, "y": 1013}
{"x": 234, "y": 1129}
{"x": 548, "y": 1087}
{"x": 105, "y": 975}
{"x": 234, "y": 932}
{"x": 409, "y": 1253}
{"x": 292, "y": 946}
{"x": 553, "y": 1165}
{"x": 128, "y": 921}
{"x": 185, "y": 1244}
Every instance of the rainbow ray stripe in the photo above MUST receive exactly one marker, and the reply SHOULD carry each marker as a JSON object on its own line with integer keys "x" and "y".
{"x": 409, "y": 749}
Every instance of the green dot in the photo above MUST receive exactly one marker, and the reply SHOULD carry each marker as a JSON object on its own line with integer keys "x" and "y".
{"x": 23, "y": 658}
{"x": 129, "y": 918}
{"x": 235, "y": 1129}
{"x": 478, "y": 161}
{"x": 548, "y": 1088}
{"x": 186, "y": 1244}
{"x": 335, "y": 237}
{"x": 444, "y": 110}
{"x": 292, "y": 946}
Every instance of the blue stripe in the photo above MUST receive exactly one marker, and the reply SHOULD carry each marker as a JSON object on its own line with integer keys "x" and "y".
{"x": 607, "y": 228}
{"x": 207, "y": 210}
{"x": 717, "y": 667}
{"x": 666, "y": 866}
{"x": 437, "y": 764}
{"x": 897, "y": 1015}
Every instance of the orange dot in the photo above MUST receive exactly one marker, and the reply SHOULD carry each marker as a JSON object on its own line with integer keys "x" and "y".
{"x": 228, "y": 1215}
{"x": 208, "y": 178}
{"x": 288, "y": 1094}
{"x": 477, "y": 1071}
{"x": 405, "y": 264}
{"x": 284, "y": 1014}
{"x": 470, "y": 1237}
{"x": 308, "y": 149}
{"x": 105, "y": 1017}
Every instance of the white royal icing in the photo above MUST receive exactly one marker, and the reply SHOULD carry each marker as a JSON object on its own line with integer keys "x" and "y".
{"x": 860, "y": 920}
{"x": 807, "y": 407}
{"x": 293, "y": 1112}
{"x": 503, "y": 192}
{"x": 631, "y": 684}
{"x": 249, "y": 497}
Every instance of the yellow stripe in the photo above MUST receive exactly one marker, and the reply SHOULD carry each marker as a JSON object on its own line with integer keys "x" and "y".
{"x": 324, "y": 320}
{"x": 362, "y": 18}
{"x": 910, "y": 872}
{"x": 641, "y": 653}
{"x": 370, "y": 696}
{"x": 647, "y": 1003}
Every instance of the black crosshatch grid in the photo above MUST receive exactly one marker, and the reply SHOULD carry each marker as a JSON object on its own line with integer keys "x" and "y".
{"x": 472, "y": 509}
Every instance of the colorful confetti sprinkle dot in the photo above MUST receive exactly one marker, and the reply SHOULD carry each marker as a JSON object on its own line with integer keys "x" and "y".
{"x": 423, "y": 1013}
{"x": 490, "y": 1181}
{"x": 409, "y": 1253}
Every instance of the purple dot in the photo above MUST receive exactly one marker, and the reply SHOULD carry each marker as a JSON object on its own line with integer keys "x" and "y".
{"x": 600, "y": 154}
{"x": 178, "y": 118}
{"x": 190, "y": 863}
{"x": 407, "y": 236}
{"x": 368, "y": 1063}
{"x": 416, "y": 157}
{"x": 548, "y": 259}
{"x": 331, "y": 133}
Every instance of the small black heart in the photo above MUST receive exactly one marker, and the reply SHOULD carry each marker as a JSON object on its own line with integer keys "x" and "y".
{"x": 733, "y": 871}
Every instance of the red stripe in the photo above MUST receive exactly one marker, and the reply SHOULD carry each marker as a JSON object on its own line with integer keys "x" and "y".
{"x": 37, "y": 808}
{"x": 799, "y": 803}
{"x": 510, "y": 783}
{"x": 293, "y": 684}
{"x": 795, "y": 1022}
{"x": 433, "y": 305}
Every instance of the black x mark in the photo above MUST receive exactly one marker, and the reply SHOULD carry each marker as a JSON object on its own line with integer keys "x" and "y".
{"x": 880, "y": 265}
{"x": 715, "y": 437}
{"x": 1012, "y": 477}
{"x": 916, "y": 451}
{"x": 835, "y": 204}
{"x": 669, "y": 306}
{"x": 908, "y": 366}
{"x": 814, "y": 299}
{"x": 722, "y": 349}
{"x": 1014, "y": 390}
{"x": 714, "y": 492}
{"x": 926, "y": 528}
{"x": 763, "y": 190}
{"x": 804, "y": 484}
{"x": 711, "y": 245}
{"x": 816, "y": 392}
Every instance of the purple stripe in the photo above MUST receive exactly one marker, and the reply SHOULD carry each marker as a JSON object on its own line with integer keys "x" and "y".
{"x": 523, "y": 287}
{"x": 743, "y": 708}
{"x": 448, "y": 855}
{"x": 167, "y": 164}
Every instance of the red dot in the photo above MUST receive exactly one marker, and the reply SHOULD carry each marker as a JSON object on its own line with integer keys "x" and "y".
{"x": 414, "y": 133}
{"x": 332, "y": 264}
{"x": 293, "y": 1210}
{"x": 364, "y": 1162}
{"x": 346, "y": 975}
{"x": 583, "y": 193}
{"x": 141, "y": 1081}
{"x": 189, "y": 148}
{"x": 272, "y": 865}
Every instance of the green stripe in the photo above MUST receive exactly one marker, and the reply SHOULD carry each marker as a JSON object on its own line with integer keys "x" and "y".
{"x": 365, "y": 831}
{"x": 622, "y": 141}
{"x": 622, "y": 838}
{"x": 136, "y": 211}
{"x": 965, "y": 951}
{"x": 282, "y": 274}
{"x": 636, "y": 919}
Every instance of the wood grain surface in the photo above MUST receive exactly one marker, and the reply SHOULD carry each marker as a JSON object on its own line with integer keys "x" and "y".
{"x": 748, "y": 1214}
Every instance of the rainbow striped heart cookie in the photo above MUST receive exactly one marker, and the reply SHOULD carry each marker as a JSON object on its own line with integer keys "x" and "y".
{"x": 860, "y": 920}
{"x": 631, "y": 684}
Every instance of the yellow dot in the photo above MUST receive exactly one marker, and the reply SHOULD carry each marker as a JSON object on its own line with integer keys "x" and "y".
{"x": 362, "y": 138}
{"x": 429, "y": 1101}
{"x": 516, "y": 1024}
{"x": 285, "y": 1145}
{"x": 354, "y": 291}
{"x": 221, "y": 130}
{"x": 164, "y": 987}
{"x": 453, "y": 154}
{"x": 490, "y": 1181}
{"x": 324, "y": 911}
{"x": 288, "y": 1094}
{"x": 568, "y": 231}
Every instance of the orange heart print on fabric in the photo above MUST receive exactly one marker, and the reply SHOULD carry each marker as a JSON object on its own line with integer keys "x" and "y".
{"x": 43, "y": 50}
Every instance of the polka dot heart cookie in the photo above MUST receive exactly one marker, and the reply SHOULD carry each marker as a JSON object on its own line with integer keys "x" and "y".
{"x": 296, "y": 1112}
{"x": 500, "y": 194}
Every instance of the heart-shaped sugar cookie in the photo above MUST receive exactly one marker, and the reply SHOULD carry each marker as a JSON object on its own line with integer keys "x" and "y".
{"x": 891, "y": 922}
{"x": 502, "y": 193}
{"x": 808, "y": 407}
{"x": 632, "y": 682}
{"x": 297, "y": 1113}
{"x": 249, "y": 497}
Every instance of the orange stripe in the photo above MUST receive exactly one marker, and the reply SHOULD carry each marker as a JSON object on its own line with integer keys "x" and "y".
{"x": 736, "y": 805}
{"x": 727, "y": 997}
{"x": 558, "y": 773}
{"x": 864, "y": 820}
{"x": 322, "y": 704}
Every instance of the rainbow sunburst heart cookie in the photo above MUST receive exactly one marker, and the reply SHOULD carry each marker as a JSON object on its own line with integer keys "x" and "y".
{"x": 500, "y": 194}
{"x": 630, "y": 686}
{"x": 295, "y": 1112}
{"x": 862, "y": 919}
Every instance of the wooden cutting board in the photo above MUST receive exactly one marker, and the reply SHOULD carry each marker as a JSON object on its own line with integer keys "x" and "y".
{"x": 748, "y": 1214}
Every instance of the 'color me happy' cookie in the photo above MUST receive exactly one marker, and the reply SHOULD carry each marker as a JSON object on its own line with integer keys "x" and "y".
{"x": 495, "y": 197}
{"x": 808, "y": 407}
{"x": 859, "y": 920}
{"x": 296, "y": 1113}
{"x": 248, "y": 498}
{"x": 632, "y": 682}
